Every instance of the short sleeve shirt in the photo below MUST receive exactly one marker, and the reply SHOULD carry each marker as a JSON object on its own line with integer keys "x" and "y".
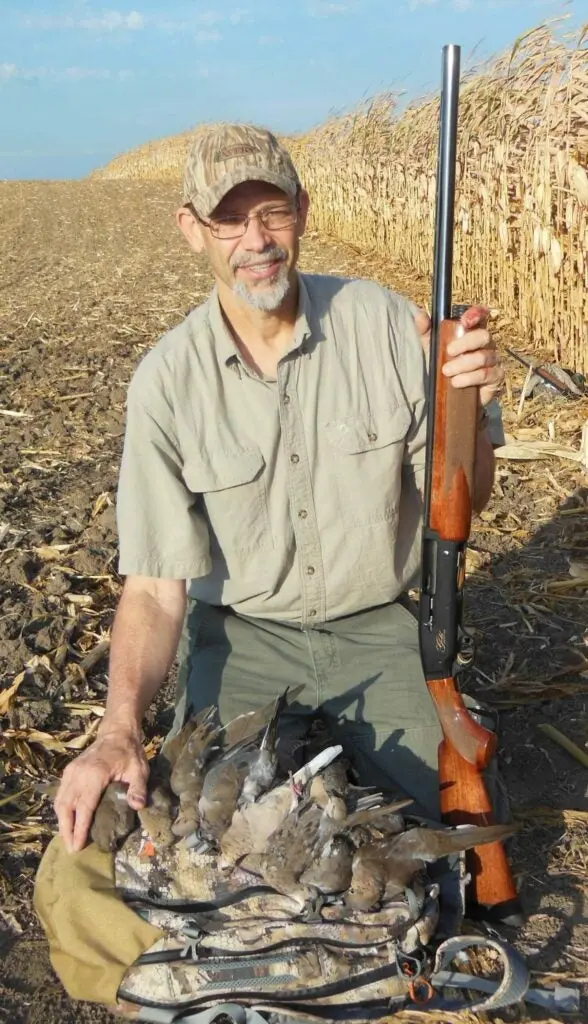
{"x": 296, "y": 499}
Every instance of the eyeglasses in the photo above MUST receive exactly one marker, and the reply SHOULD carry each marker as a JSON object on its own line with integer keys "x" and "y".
{"x": 277, "y": 218}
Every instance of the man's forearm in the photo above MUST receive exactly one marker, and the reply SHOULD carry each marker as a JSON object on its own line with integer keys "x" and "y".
{"x": 483, "y": 471}
{"x": 145, "y": 637}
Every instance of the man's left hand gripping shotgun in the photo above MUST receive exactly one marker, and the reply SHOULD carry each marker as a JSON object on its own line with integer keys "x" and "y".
{"x": 453, "y": 413}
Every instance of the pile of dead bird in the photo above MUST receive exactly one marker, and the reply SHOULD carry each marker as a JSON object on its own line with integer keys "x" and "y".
{"x": 312, "y": 835}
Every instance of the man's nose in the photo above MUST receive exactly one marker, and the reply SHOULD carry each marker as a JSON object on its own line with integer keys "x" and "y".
{"x": 256, "y": 237}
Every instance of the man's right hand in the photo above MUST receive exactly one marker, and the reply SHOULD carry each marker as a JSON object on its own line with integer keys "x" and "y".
{"x": 115, "y": 756}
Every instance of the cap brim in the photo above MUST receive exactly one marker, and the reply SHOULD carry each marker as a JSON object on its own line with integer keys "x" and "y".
{"x": 206, "y": 202}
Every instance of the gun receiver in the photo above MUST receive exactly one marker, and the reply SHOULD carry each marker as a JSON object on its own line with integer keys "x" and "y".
{"x": 467, "y": 747}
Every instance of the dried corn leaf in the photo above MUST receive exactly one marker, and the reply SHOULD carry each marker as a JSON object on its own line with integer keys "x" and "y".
{"x": 562, "y": 586}
{"x": 7, "y": 696}
{"x": 535, "y": 450}
{"x": 102, "y": 501}
{"x": 35, "y": 736}
{"x": 51, "y": 552}
{"x": 79, "y": 742}
{"x": 86, "y": 709}
{"x": 578, "y": 181}
{"x": 13, "y": 797}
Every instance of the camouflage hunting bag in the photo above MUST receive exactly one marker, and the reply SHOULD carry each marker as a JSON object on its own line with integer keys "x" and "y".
{"x": 247, "y": 889}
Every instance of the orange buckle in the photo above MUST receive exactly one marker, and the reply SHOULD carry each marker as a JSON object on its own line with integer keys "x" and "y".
{"x": 421, "y": 991}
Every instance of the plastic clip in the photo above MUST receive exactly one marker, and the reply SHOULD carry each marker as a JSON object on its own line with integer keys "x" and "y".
{"x": 190, "y": 951}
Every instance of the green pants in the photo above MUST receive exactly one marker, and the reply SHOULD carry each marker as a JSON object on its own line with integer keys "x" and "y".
{"x": 363, "y": 672}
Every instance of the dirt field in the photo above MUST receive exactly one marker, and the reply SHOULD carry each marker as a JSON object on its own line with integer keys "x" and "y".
{"x": 90, "y": 275}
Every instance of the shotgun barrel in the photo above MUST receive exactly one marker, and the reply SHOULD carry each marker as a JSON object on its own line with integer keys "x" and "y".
{"x": 466, "y": 747}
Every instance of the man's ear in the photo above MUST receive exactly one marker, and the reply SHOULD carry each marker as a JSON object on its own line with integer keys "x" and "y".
{"x": 190, "y": 228}
{"x": 303, "y": 207}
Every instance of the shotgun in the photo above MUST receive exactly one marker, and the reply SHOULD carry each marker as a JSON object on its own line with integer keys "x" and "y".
{"x": 452, "y": 429}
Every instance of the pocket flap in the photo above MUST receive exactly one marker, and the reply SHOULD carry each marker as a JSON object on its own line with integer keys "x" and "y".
{"x": 354, "y": 435}
{"x": 223, "y": 470}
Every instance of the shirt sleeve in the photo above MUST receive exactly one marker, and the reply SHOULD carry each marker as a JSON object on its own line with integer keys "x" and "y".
{"x": 162, "y": 531}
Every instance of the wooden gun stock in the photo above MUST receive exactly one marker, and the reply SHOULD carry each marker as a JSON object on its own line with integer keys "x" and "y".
{"x": 464, "y": 800}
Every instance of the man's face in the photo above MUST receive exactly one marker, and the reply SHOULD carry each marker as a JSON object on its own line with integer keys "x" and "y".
{"x": 259, "y": 265}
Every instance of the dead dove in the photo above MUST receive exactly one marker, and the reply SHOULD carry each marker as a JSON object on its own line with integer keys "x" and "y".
{"x": 174, "y": 744}
{"x": 243, "y": 772}
{"x": 113, "y": 818}
{"x": 249, "y": 725}
{"x": 262, "y": 771}
{"x": 188, "y": 772}
{"x": 336, "y": 785}
{"x": 253, "y": 824}
{"x": 304, "y": 845}
{"x": 157, "y": 816}
{"x": 331, "y": 871}
{"x": 383, "y": 869}
{"x": 220, "y": 792}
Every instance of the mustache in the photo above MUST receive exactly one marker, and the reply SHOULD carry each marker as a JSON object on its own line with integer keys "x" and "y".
{"x": 271, "y": 255}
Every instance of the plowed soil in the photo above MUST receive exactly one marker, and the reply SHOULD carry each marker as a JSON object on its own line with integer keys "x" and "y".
{"x": 91, "y": 274}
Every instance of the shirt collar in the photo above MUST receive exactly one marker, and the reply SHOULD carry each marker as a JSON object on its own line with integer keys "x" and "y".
{"x": 223, "y": 339}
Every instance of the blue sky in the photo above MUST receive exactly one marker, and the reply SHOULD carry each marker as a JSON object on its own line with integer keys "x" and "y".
{"x": 81, "y": 82}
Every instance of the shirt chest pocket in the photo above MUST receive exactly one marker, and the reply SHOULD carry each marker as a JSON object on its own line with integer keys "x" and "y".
{"x": 366, "y": 459}
{"x": 232, "y": 489}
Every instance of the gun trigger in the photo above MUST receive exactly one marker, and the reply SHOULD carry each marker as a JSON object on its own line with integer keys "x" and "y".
{"x": 466, "y": 651}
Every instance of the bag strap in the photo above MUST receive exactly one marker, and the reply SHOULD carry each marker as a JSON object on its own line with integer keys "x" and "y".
{"x": 237, "y": 1014}
{"x": 256, "y": 994}
{"x": 141, "y": 900}
{"x": 512, "y": 987}
{"x": 193, "y": 950}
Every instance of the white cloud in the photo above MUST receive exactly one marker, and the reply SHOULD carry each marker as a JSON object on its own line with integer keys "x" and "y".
{"x": 239, "y": 15}
{"x": 325, "y": 10}
{"x": 462, "y": 5}
{"x": 204, "y": 36}
{"x": 80, "y": 73}
{"x": 113, "y": 21}
{"x": 8, "y": 71}
{"x": 71, "y": 74}
{"x": 413, "y": 5}
{"x": 209, "y": 17}
{"x": 270, "y": 40}
{"x": 107, "y": 21}
{"x": 172, "y": 27}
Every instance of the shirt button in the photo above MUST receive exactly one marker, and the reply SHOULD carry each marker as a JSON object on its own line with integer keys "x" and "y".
{"x": 372, "y": 437}
{"x": 310, "y": 570}
{"x": 286, "y": 399}
{"x": 302, "y": 514}
{"x": 294, "y": 458}
{"x": 312, "y": 613}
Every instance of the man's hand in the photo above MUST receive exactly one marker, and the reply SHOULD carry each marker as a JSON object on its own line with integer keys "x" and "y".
{"x": 474, "y": 359}
{"x": 115, "y": 756}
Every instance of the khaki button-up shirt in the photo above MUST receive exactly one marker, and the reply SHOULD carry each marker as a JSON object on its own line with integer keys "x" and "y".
{"x": 296, "y": 499}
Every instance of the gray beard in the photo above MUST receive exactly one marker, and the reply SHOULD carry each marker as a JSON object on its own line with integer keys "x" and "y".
{"x": 268, "y": 298}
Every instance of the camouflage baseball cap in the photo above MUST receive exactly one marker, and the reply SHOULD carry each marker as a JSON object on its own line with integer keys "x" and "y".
{"x": 224, "y": 155}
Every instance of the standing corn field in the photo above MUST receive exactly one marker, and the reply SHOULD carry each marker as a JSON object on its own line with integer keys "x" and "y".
{"x": 522, "y": 210}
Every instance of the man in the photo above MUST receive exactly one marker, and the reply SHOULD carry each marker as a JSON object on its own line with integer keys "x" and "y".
{"x": 273, "y": 466}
